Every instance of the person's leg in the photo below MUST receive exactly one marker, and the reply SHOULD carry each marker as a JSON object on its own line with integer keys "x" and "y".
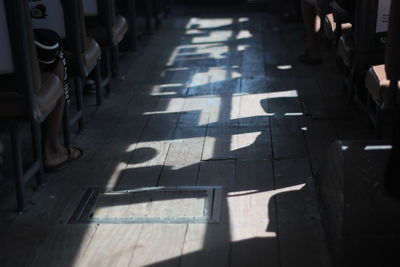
{"x": 309, "y": 19}
{"x": 53, "y": 152}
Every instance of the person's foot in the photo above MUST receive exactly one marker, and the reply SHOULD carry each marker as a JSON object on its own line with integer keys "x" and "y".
{"x": 62, "y": 158}
{"x": 308, "y": 59}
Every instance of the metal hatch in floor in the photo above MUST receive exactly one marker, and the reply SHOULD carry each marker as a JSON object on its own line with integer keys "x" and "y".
{"x": 149, "y": 205}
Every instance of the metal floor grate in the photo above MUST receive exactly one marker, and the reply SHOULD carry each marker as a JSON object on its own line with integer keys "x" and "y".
{"x": 149, "y": 205}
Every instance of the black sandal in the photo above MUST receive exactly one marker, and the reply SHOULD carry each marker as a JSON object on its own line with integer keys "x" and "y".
{"x": 66, "y": 163}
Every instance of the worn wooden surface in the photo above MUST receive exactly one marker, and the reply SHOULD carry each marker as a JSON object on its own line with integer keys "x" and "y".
{"x": 210, "y": 99}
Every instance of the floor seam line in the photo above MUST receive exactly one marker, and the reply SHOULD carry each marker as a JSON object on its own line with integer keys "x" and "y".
{"x": 273, "y": 167}
{"x": 139, "y": 139}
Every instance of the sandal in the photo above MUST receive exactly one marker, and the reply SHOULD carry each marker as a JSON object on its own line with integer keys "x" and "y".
{"x": 66, "y": 163}
{"x": 308, "y": 60}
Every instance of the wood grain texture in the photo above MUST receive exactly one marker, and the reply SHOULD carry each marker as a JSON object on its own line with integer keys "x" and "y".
{"x": 111, "y": 246}
{"x": 166, "y": 251}
{"x": 57, "y": 251}
{"x": 252, "y": 216}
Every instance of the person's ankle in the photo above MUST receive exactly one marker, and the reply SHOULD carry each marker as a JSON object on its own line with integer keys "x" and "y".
{"x": 53, "y": 152}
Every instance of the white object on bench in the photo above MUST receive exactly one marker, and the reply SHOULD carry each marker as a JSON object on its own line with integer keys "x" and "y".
{"x": 52, "y": 17}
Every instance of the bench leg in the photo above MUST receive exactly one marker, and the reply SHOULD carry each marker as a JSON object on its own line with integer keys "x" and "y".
{"x": 66, "y": 126}
{"x": 114, "y": 60}
{"x": 105, "y": 67}
{"x": 149, "y": 16}
{"x": 99, "y": 87}
{"x": 132, "y": 32}
{"x": 18, "y": 167}
{"x": 79, "y": 100}
{"x": 37, "y": 149}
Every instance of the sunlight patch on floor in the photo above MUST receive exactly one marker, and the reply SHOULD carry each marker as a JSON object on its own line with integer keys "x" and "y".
{"x": 212, "y": 76}
{"x": 284, "y": 67}
{"x": 195, "y": 241}
{"x": 241, "y": 48}
{"x": 167, "y": 89}
{"x": 282, "y": 94}
{"x": 293, "y": 114}
{"x": 115, "y": 176}
{"x": 290, "y": 188}
{"x": 388, "y": 147}
{"x": 162, "y": 93}
{"x": 201, "y": 106}
{"x": 208, "y": 23}
{"x": 250, "y": 215}
{"x": 213, "y": 37}
{"x": 244, "y": 140}
{"x": 250, "y": 106}
{"x": 194, "y": 32}
{"x": 216, "y": 50}
{"x": 199, "y": 79}
{"x": 244, "y": 34}
{"x": 215, "y": 110}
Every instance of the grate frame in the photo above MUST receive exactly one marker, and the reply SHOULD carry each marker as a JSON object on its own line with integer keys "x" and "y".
{"x": 211, "y": 209}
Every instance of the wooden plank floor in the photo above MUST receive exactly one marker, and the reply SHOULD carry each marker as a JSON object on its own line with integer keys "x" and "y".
{"x": 207, "y": 100}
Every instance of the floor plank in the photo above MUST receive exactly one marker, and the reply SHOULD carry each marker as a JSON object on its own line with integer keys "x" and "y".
{"x": 218, "y": 173}
{"x": 220, "y": 143}
{"x": 252, "y": 216}
{"x": 208, "y": 244}
{"x": 319, "y": 135}
{"x": 145, "y": 166}
{"x": 298, "y": 216}
{"x": 165, "y": 252}
{"x": 253, "y": 143}
{"x": 182, "y": 162}
{"x": 66, "y": 246}
{"x": 111, "y": 245}
{"x": 287, "y": 137}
